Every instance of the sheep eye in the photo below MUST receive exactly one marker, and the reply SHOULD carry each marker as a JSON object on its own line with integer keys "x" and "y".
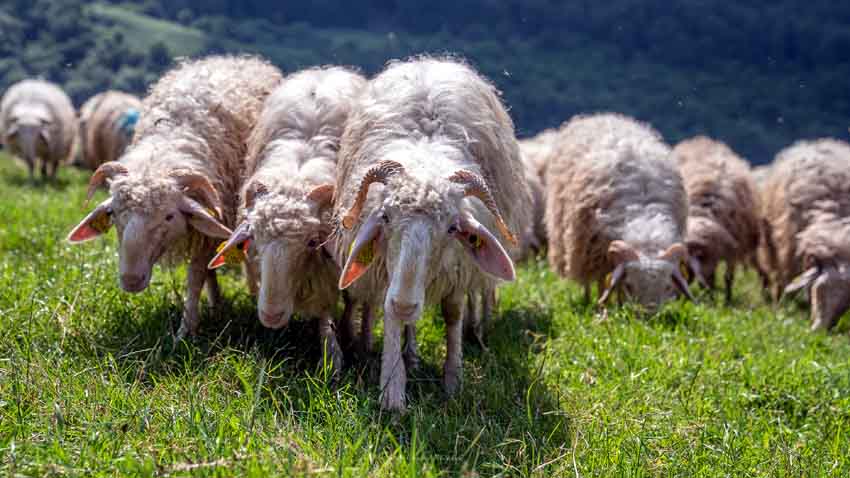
{"x": 385, "y": 218}
{"x": 452, "y": 229}
{"x": 109, "y": 212}
{"x": 169, "y": 217}
{"x": 313, "y": 243}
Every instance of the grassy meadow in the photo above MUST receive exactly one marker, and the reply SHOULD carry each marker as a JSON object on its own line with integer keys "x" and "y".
{"x": 91, "y": 384}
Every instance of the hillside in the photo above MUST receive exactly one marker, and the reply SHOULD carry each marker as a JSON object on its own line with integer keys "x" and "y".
{"x": 756, "y": 76}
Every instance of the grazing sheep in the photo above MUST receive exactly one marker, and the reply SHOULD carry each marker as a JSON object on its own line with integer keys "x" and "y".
{"x": 723, "y": 219}
{"x": 806, "y": 224}
{"x": 174, "y": 191}
{"x": 615, "y": 203}
{"x": 435, "y": 140}
{"x": 107, "y": 123}
{"x": 534, "y": 152}
{"x": 287, "y": 199}
{"x": 38, "y": 122}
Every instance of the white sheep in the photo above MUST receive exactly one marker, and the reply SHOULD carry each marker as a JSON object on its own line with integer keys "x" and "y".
{"x": 287, "y": 199}
{"x": 38, "y": 122}
{"x": 806, "y": 229}
{"x": 174, "y": 191}
{"x": 616, "y": 204}
{"x": 435, "y": 139}
{"x": 107, "y": 123}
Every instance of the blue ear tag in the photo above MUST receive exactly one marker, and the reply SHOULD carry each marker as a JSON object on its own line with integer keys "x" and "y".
{"x": 128, "y": 121}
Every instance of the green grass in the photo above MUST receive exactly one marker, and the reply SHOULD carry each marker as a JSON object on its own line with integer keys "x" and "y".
{"x": 90, "y": 384}
{"x": 143, "y": 31}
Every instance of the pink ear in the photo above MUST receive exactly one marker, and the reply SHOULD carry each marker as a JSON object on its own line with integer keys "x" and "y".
{"x": 362, "y": 251}
{"x": 485, "y": 249}
{"x": 96, "y": 223}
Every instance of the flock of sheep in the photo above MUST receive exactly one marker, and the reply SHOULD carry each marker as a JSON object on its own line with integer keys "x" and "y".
{"x": 410, "y": 189}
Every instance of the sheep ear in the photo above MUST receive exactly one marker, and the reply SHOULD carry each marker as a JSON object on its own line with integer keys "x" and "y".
{"x": 93, "y": 225}
{"x": 485, "y": 249}
{"x": 234, "y": 249}
{"x": 802, "y": 281}
{"x": 620, "y": 252}
{"x": 696, "y": 269}
{"x": 611, "y": 283}
{"x": 681, "y": 284}
{"x": 202, "y": 220}
{"x": 363, "y": 251}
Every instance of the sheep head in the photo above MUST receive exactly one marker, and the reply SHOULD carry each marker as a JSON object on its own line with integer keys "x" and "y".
{"x": 29, "y": 133}
{"x": 151, "y": 214}
{"x": 424, "y": 220}
{"x": 285, "y": 232}
{"x": 648, "y": 280}
{"x": 708, "y": 243}
{"x": 826, "y": 275}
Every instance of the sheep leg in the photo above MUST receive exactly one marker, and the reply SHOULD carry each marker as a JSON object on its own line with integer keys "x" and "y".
{"x": 53, "y": 167}
{"x": 367, "y": 321}
{"x": 347, "y": 324}
{"x": 44, "y": 174}
{"x": 729, "y": 277}
{"x": 331, "y": 351}
{"x": 213, "y": 289}
{"x": 411, "y": 348}
{"x": 472, "y": 320}
{"x": 452, "y": 308}
{"x": 195, "y": 279}
{"x": 488, "y": 305}
{"x": 393, "y": 373}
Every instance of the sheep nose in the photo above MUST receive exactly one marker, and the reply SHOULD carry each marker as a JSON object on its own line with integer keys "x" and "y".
{"x": 273, "y": 321}
{"x": 133, "y": 282}
{"x": 403, "y": 310}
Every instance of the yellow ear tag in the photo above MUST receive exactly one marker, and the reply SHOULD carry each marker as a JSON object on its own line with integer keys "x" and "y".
{"x": 100, "y": 223}
{"x": 608, "y": 281}
{"x": 366, "y": 254}
{"x": 232, "y": 256}
{"x": 683, "y": 268}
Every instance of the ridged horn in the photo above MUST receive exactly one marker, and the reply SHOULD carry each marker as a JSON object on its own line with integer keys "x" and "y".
{"x": 200, "y": 187}
{"x": 474, "y": 185}
{"x": 106, "y": 171}
{"x": 379, "y": 173}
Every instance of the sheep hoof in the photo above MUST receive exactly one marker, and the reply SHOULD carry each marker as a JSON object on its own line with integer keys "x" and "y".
{"x": 451, "y": 384}
{"x": 393, "y": 402}
{"x": 411, "y": 358}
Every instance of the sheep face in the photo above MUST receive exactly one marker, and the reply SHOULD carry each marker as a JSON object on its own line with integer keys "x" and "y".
{"x": 416, "y": 230}
{"x": 708, "y": 242}
{"x": 285, "y": 234}
{"x": 152, "y": 215}
{"x": 29, "y": 132}
{"x": 649, "y": 280}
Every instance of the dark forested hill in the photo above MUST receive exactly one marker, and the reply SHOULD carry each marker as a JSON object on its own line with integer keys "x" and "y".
{"x": 758, "y": 75}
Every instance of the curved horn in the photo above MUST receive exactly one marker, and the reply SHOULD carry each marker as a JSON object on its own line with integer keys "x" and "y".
{"x": 200, "y": 186}
{"x": 379, "y": 173}
{"x": 254, "y": 190}
{"x": 106, "y": 171}
{"x": 322, "y": 195}
{"x": 474, "y": 185}
{"x": 675, "y": 253}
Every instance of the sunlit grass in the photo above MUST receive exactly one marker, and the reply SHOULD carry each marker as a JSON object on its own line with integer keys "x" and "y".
{"x": 91, "y": 385}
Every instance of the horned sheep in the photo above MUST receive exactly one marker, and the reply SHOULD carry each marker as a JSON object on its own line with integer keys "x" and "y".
{"x": 435, "y": 140}
{"x": 723, "y": 219}
{"x": 38, "y": 122}
{"x": 807, "y": 226}
{"x": 287, "y": 199}
{"x": 107, "y": 123}
{"x": 616, "y": 204}
{"x": 175, "y": 189}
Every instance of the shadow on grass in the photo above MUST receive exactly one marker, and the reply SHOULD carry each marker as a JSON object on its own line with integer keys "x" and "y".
{"x": 22, "y": 180}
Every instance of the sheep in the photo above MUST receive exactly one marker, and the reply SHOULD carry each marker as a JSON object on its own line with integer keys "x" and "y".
{"x": 806, "y": 224}
{"x": 615, "y": 203}
{"x": 107, "y": 123}
{"x": 174, "y": 190}
{"x": 534, "y": 152}
{"x": 38, "y": 122}
{"x": 286, "y": 205}
{"x": 723, "y": 219}
{"x": 435, "y": 137}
